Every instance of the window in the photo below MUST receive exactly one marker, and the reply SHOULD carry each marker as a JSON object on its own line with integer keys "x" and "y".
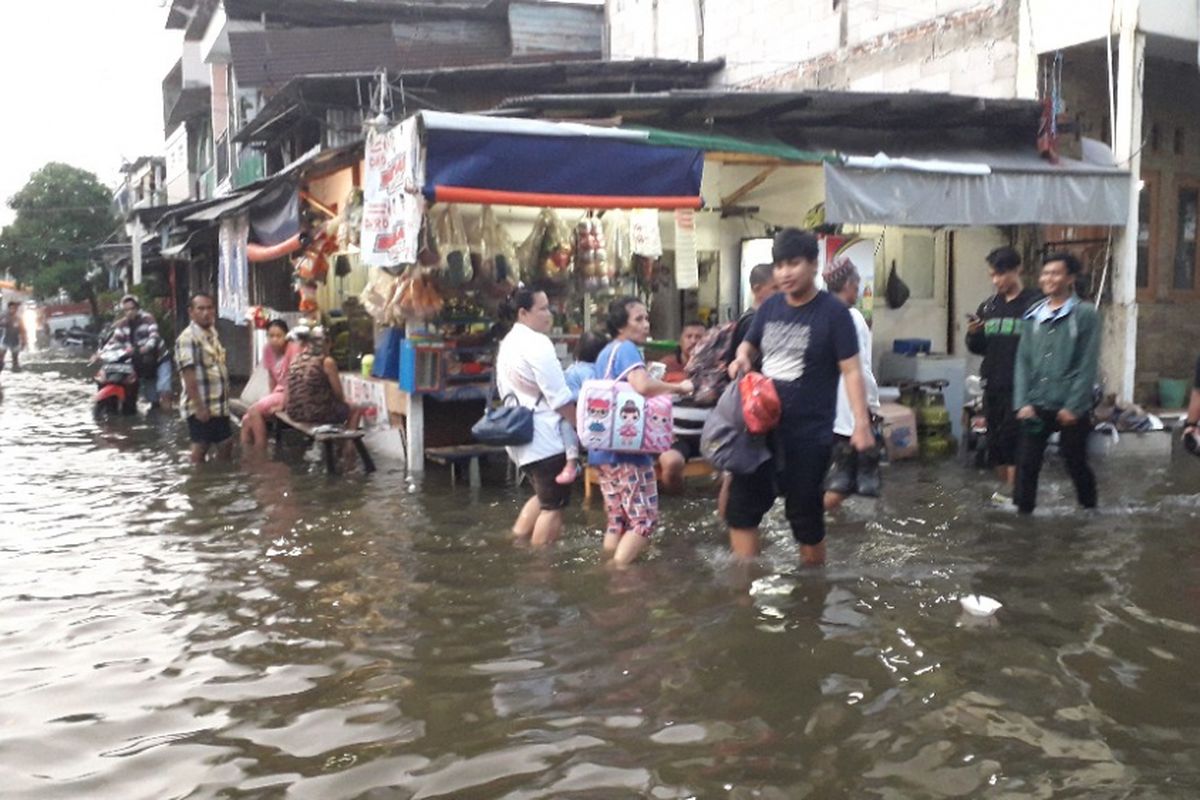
{"x": 1147, "y": 236}
{"x": 1183, "y": 278}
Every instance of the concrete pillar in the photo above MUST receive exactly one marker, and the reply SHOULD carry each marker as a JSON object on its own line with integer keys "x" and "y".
{"x": 1118, "y": 358}
{"x": 135, "y": 236}
{"x": 415, "y": 421}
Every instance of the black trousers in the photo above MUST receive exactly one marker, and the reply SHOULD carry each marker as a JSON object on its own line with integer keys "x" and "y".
{"x": 1031, "y": 450}
{"x": 1002, "y": 428}
{"x": 798, "y": 473}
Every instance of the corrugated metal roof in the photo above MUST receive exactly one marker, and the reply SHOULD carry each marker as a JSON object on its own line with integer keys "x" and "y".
{"x": 450, "y": 43}
{"x": 810, "y": 120}
{"x": 317, "y": 13}
{"x": 537, "y": 29}
{"x": 308, "y": 92}
{"x": 270, "y": 59}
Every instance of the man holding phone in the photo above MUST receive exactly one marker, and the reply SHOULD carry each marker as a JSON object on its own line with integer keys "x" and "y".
{"x": 994, "y": 332}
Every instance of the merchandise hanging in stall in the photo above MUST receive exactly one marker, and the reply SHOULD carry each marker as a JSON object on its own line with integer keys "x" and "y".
{"x": 436, "y": 187}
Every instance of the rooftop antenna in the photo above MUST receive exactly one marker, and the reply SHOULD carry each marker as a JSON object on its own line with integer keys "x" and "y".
{"x": 381, "y": 105}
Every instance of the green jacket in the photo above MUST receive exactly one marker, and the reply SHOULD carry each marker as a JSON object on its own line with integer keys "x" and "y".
{"x": 1057, "y": 360}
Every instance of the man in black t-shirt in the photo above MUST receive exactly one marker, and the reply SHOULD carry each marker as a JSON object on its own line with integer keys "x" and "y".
{"x": 807, "y": 341}
{"x": 994, "y": 332}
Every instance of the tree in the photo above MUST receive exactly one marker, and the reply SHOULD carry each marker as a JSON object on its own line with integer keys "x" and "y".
{"x": 61, "y": 214}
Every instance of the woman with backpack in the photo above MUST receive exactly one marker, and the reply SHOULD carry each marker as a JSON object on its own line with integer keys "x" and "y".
{"x": 627, "y": 480}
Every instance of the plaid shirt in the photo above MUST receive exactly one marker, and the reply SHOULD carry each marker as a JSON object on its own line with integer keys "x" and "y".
{"x": 201, "y": 350}
{"x": 141, "y": 336}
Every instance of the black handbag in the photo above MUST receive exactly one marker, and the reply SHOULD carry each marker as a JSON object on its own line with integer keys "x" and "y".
{"x": 505, "y": 424}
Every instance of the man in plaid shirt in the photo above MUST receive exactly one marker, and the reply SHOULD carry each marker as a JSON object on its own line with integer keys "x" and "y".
{"x": 201, "y": 360}
{"x": 137, "y": 331}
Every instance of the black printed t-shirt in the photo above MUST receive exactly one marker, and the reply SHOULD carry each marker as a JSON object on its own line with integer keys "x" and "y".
{"x": 801, "y": 347}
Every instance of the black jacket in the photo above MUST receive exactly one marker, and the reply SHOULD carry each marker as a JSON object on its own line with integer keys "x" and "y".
{"x": 1001, "y": 334}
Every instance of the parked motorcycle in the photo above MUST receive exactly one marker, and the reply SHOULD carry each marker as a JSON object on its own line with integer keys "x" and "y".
{"x": 974, "y": 444}
{"x": 116, "y": 381}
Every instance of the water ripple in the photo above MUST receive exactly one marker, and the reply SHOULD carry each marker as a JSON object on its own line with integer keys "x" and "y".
{"x": 264, "y": 631}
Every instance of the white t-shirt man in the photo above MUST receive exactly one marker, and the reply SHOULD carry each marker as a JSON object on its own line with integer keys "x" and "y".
{"x": 843, "y": 423}
{"x": 527, "y": 367}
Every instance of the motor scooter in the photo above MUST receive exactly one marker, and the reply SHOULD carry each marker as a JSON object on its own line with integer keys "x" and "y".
{"x": 116, "y": 382}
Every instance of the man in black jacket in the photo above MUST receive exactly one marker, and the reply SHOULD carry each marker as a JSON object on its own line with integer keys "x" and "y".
{"x": 994, "y": 333}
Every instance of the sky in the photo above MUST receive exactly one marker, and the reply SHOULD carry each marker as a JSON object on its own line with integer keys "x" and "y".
{"x": 82, "y": 84}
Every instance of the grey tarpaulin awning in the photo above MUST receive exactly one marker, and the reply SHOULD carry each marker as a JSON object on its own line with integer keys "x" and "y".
{"x": 964, "y": 188}
{"x": 234, "y": 203}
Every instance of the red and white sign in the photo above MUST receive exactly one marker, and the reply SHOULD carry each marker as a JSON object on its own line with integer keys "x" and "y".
{"x": 392, "y": 202}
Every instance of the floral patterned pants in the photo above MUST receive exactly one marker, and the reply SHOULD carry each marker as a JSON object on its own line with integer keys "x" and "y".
{"x": 630, "y": 498}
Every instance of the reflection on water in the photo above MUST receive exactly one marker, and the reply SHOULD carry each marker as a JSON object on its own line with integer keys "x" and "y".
{"x": 260, "y": 630}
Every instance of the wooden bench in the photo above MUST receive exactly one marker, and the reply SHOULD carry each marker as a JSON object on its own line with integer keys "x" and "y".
{"x": 327, "y": 439}
{"x": 694, "y": 468}
{"x": 456, "y": 455}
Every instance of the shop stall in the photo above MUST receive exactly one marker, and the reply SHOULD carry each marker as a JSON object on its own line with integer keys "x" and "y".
{"x": 460, "y": 209}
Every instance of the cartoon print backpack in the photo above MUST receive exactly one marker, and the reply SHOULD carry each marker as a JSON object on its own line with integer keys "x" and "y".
{"x": 706, "y": 368}
{"x": 612, "y": 416}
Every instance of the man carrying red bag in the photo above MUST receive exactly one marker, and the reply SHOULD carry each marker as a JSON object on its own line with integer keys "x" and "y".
{"x": 807, "y": 341}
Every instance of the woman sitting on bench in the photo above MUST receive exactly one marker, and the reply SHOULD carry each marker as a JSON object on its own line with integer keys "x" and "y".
{"x": 277, "y": 359}
{"x": 314, "y": 388}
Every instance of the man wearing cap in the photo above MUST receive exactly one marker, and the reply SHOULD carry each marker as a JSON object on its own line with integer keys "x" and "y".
{"x": 851, "y": 471}
{"x": 201, "y": 360}
{"x": 807, "y": 342}
{"x": 137, "y": 330}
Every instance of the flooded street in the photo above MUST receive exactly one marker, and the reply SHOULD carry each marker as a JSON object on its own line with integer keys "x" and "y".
{"x": 264, "y": 631}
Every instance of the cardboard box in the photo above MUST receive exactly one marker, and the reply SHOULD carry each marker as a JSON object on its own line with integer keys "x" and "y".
{"x": 899, "y": 431}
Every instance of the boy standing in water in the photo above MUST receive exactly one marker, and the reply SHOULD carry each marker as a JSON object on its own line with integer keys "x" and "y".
{"x": 994, "y": 333}
{"x": 1052, "y": 387}
{"x": 807, "y": 342}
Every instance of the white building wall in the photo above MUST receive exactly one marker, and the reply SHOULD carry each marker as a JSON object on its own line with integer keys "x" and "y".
{"x": 653, "y": 29}
{"x": 178, "y": 178}
{"x": 961, "y": 46}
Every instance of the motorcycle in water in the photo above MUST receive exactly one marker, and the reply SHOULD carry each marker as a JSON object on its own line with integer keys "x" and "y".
{"x": 116, "y": 381}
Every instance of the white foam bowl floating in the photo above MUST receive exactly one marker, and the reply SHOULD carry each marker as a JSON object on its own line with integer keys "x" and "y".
{"x": 979, "y": 605}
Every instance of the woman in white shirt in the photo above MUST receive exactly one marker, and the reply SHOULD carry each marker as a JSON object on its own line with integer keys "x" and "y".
{"x": 527, "y": 368}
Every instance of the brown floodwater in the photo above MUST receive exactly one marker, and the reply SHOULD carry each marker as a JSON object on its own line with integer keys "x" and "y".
{"x": 265, "y": 631}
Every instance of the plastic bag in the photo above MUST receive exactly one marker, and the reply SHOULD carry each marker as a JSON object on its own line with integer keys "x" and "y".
{"x": 378, "y": 292}
{"x": 453, "y": 247}
{"x": 529, "y": 250}
{"x": 349, "y": 232}
{"x": 616, "y": 240}
{"x": 760, "y": 403}
{"x": 545, "y": 254}
{"x": 501, "y": 254}
{"x": 897, "y": 291}
{"x": 417, "y": 297}
{"x": 554, "y": 261}
{"x": 591, "y": 257}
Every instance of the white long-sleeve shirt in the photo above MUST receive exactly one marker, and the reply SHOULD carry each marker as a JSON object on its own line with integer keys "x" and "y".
{"x": 527, "y": 367}
{"x": 843, "y": 424}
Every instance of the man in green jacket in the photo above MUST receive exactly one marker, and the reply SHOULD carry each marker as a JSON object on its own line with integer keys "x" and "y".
{"x": 1053, "y": 381}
